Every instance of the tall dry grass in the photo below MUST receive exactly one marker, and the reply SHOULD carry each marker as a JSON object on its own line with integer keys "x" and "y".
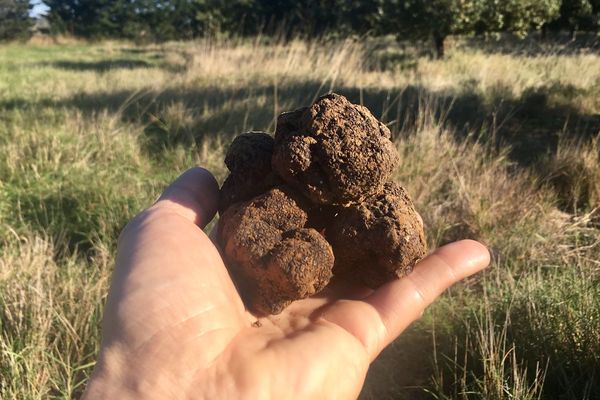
{"x": 573, "y": 171}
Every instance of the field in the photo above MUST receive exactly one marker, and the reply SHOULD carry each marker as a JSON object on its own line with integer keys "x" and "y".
{"x": 500, "y": 146}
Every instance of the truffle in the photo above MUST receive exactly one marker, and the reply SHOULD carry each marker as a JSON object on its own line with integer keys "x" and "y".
{"x": 272, "y": 257}
{"x": 334, "y": 152}
{"x": 314, "y": 201}
{"x": 249, "y": 162}
{"x": 378, "y": 240}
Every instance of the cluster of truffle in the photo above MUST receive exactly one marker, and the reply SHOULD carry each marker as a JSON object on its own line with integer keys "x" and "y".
{"x": 313, "y": 202}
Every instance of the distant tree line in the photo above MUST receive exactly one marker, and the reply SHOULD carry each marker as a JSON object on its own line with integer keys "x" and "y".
{"x": 15, "y": 22}
{"x": 160, "y": 20}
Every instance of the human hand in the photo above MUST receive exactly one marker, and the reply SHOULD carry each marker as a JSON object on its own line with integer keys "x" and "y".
{"x": 175, "y": 327}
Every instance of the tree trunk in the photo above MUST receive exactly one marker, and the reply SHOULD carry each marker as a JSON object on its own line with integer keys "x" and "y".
{"x": 544, "y": 32}
{"x": 438, "y": 41}
{"x": 574, "y": 32}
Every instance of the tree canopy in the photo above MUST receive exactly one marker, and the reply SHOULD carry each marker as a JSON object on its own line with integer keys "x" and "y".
{"x": 434, "y": 20}
{"x": 578, "y": 14}
{"x": 14, "y": 19}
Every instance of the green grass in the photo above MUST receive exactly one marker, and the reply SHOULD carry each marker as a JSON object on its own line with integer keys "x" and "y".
{"x": 495, "y": 146}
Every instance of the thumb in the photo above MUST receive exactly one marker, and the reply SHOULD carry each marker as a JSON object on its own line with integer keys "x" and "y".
{"x": 194, "y": 196}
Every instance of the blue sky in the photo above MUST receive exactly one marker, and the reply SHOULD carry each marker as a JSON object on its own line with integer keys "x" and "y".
{"x": 39, "y": 8}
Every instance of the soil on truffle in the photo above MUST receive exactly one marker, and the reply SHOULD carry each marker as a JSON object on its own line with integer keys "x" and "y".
{"x": 378, "y": 240}
{"x": 271, "y": 254}
{"x": 337, "y": 212}
{"x": 334, "y": 152}
{"x": 249, "y": 162}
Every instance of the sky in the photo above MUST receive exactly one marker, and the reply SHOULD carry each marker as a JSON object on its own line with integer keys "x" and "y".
{"x": 38, "y": 9}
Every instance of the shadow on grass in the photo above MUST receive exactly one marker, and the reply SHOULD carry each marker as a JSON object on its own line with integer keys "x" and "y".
{"x": 535, "y": 46}
{"x": 138, "y": 50}
{"x": 74, "y": 219}
{"x": 403, "y": 369}
{"x": 59, "y": 216}
{"x": 101, "y": 66}
{"x": 530, "y": 124}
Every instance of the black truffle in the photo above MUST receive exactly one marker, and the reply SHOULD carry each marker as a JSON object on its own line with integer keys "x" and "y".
{"x": 334, "y": 152}
{"x": 273, "y": 258}
{"x": 378, "y": 240}
{"x": 249, "y": 162}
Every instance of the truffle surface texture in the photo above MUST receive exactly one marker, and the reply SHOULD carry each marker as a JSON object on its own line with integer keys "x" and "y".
{"x": 249, "y": 162}
{"x": 333, "y": 152}
{"x": 312, "y": 202}
{"x": 378, "y": 240}
{"x": 272, "y": 256}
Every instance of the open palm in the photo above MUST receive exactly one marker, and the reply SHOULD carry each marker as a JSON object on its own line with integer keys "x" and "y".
{"x": 175, "y": 326}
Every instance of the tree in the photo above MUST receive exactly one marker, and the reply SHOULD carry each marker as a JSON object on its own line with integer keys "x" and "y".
{"x": 359, "y": 16}
{"x": 578, "y": 14}
{"x": 521, "y": 16}
{"x": 289, "y": 17}
{"x": 132, "y": 19}
{"x": 15, "y": 22}
{"x": 432, "y": 20}
{"x": 595, "y": 14}
{"x": 87, "y": 18}
{"x": 435, "y": 19}
{"x": 517, "y": 16}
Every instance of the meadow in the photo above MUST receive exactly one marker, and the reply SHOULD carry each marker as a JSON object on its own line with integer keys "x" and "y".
{"x": 498, "y": 145}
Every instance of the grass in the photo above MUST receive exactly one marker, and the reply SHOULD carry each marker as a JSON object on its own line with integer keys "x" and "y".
{"x": 495, "y": 146}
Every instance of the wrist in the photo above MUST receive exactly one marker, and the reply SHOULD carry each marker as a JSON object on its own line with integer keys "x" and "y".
{"x": 120, "y": 376}
{"x": 109, "y": 379}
